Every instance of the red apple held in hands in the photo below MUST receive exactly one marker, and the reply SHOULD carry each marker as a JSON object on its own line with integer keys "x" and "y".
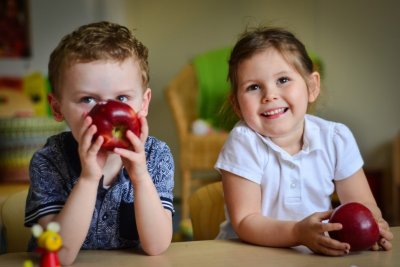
{"x": 360, "y": 229}
{"x": 113, "y": 119}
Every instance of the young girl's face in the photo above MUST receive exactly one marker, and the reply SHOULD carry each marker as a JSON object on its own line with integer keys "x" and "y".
{"x": 272, "y": 96}
{"x": 85, "y": 84}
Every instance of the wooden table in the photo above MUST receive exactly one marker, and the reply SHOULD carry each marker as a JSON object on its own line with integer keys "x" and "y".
{"x": 223, "y": 253}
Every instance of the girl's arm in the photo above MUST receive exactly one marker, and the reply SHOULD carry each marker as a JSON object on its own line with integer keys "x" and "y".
{"x": 356, "y": 189}
{"x": 243, "y": 200}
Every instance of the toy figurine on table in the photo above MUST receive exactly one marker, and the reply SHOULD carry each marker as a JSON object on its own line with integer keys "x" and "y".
{"x": 49, "y": 242}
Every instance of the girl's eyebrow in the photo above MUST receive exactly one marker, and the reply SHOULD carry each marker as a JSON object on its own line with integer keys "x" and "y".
{"x": 249, "y": 81}
{"x": 284, "y": 72}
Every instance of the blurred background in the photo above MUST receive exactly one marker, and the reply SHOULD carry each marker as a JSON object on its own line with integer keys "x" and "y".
{"x": 358, "y": 42}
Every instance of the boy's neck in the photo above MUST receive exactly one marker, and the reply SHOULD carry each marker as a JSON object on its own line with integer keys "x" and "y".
{"x": 111, "y": 169}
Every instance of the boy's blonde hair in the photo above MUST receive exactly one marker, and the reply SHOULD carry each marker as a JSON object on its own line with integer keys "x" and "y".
{"x": 96, "y": 41}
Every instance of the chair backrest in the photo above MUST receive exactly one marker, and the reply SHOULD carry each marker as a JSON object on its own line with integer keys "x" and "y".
{"x": 181, "y": 95}
{"x": 207, "y": 211}
{"x": 13, "y": 214}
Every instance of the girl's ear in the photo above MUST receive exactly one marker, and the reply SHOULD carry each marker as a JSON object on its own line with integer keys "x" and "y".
{"x": 55, "y": 107}
{"x": 314, "y": 86}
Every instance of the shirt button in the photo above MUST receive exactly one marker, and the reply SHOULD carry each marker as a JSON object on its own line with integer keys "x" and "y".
{"x": 293, "y": 184}
{"x": 105, "y": 217}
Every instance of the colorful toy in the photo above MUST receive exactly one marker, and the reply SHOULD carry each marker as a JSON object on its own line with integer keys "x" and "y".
{"x": 49, "y": 242}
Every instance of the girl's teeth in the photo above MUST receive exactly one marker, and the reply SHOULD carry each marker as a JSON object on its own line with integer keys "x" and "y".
{"x": 273, "y": 112}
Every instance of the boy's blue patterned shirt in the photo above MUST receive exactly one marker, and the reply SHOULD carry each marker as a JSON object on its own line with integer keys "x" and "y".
{"x": 55, "y": 169}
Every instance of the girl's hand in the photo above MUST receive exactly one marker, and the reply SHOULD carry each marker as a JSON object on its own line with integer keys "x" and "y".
{"x": 92, "y": 159}
{"x": 311, "y": 233}
{"x": 135, "y": 160}
{"x": 385, "y": 236}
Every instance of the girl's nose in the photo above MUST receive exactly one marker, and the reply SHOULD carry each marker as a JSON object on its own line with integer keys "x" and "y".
{"x": 269, "y": 95}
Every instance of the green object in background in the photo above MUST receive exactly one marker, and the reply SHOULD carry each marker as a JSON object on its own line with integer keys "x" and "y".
{"x": 211, "y": 70}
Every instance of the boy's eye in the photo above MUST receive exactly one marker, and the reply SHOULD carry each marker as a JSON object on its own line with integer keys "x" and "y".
{"x": 253, "y": 87}
{"x": 122, "y": 98}
{"x": 88, "y": 100}
{"x": 283, "y": 80}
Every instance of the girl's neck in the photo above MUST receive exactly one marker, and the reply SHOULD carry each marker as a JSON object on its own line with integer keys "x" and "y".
{"x": 291, "y": 143}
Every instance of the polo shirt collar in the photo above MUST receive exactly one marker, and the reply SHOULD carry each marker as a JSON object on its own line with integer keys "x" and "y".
{"x": 311, "y": 139}
{"x": 312, "y": 136}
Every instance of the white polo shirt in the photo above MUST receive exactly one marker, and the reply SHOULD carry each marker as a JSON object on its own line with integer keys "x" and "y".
{"x": 293, "y": 187}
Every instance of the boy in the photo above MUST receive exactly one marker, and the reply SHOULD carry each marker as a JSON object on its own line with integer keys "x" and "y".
{"x": 102, "y": 200}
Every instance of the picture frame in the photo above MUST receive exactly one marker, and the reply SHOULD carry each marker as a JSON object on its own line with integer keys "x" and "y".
{"x": 14, "y": 29}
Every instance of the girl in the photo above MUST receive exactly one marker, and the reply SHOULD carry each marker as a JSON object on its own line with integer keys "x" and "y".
{"x": 280, "y": 165}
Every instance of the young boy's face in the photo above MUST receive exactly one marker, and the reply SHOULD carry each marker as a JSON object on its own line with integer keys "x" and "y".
{"x": 85, "y": 84}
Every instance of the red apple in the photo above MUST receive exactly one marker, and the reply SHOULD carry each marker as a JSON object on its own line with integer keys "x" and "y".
{"x": 113, "y": 119}
{"x": 360, "y": 229}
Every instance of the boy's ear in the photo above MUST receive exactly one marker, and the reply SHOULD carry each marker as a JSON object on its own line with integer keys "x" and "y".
{"x": 314, "y": 87}
{"x": 55, "y": 107}
{"x": 146, "y": 102}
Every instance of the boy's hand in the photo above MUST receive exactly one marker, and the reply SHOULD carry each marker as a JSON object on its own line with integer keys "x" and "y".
{"x": 92, "y": 159}
{"x": 135, "y": 160}
{"x": 311, "y": 233}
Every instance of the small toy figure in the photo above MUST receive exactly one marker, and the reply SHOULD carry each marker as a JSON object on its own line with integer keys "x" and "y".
{"x": 49, "y": 242}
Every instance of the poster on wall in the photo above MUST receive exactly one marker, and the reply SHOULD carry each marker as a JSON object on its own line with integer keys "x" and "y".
{"x": 14, "y": 29}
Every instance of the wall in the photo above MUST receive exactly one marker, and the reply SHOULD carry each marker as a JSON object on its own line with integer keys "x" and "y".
{"x": 358, "y": 42}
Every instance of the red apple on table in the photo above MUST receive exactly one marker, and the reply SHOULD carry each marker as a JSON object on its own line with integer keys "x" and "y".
{"x": 112, "y": 119}
{"x": 360, "y": 229}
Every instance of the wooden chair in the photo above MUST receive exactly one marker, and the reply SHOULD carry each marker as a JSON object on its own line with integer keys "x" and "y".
{"x": 197, "y": 152}
{"x": 12, "y": 215}
{"x": 207, "y": 211}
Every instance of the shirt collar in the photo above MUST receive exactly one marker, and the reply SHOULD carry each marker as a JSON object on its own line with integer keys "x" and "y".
{"x": 311, "y": 139}
{"x": 312, "y": 136}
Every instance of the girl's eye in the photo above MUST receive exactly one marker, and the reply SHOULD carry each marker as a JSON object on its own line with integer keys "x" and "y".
{"x": 283, "y": 80}
{"x": 88, "y": 100}
{"x": 122, "y": 98}
{"x": 253, "y": 87}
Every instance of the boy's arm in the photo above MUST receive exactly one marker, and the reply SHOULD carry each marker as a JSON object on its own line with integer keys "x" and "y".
{"x": 76, "y": 215}
{"x": 74, "y": 219}
{"x": 243, "y": 200}
{"x": 154, "y": 222}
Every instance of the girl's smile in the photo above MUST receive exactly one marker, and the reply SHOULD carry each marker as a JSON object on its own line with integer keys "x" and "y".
{"x": 274, "y": 113}
{"x": 273, "y": 97}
